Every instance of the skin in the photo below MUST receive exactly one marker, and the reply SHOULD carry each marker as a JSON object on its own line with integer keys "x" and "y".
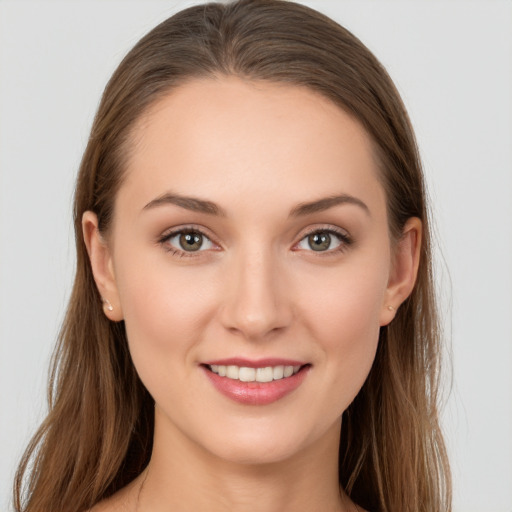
{"x": 258, "y": 151}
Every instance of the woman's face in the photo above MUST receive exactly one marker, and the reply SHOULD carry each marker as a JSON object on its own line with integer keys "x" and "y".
{"x": 250, "y": 238}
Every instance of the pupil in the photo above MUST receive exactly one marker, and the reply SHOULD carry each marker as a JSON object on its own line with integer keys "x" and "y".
{"x": 319, "y": 241}
{"x": 191, "y": 241}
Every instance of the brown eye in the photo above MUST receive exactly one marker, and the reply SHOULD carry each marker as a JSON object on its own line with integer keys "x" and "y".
{"x": 324, "y": 240}
{"x": 191, "y": 241}
{"x": 188, "y": 241}
{"x": 319, "y": 241}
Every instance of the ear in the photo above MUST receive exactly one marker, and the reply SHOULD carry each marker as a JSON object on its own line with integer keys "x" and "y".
{"x": 404, "y": 269}
{"x": 102, "y": 266}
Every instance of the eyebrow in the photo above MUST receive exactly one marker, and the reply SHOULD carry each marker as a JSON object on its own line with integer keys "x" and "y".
{"x": 202, "y": 206}
{"x": 325, "y": 203}
{"x": 189, "y": 203}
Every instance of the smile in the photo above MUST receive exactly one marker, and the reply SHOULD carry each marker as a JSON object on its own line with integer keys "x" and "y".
{"x": 256, "y": 382}
{"x": 246, "y": 374}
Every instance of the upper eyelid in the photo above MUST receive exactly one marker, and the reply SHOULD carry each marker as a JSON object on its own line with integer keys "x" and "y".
{"x": 325, "y": 228}
{"x": 186, "y": 228}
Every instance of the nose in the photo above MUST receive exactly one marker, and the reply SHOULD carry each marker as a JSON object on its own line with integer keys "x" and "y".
{"x": 256, "y": 302}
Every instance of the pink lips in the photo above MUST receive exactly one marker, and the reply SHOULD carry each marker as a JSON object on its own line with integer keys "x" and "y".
{"x": 256, "y": 393}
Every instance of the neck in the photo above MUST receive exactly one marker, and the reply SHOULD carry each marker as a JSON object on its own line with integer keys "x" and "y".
{"x": 184, "y": 476}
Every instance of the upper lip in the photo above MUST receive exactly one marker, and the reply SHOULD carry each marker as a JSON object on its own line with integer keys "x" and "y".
{"x": 255, "y": 363}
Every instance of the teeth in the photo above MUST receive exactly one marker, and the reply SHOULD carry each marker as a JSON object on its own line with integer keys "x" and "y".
{"x": 232, "y": 372}
{"x": 278, "y": 372}
{"x": 245, "y": 374}
{"x": 264, "y": 374}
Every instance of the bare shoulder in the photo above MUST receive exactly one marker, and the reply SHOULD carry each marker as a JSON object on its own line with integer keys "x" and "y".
{"x": 112, "y": 504}
{"x": 122, "y": 501}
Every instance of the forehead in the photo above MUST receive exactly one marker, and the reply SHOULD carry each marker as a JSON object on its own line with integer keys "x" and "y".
{"x": 232, "y": 138}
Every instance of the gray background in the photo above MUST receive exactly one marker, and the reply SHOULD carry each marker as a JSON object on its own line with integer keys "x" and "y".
{"x": 452, "y": 61}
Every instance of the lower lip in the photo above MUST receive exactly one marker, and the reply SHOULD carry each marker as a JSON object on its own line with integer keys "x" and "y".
{"x": 256, "y": 393}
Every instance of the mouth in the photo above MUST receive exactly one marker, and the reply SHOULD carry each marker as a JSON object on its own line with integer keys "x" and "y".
{"x": 250, "y": 374}
{"x": 256, "y": 383}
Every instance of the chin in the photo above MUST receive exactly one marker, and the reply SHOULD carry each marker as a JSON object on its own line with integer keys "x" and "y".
{"x": 252, "y": 452}
{"x": 260, "y": 444}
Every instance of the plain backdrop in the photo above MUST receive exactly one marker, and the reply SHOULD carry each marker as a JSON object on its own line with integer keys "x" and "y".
{"x": 452, "y": 62}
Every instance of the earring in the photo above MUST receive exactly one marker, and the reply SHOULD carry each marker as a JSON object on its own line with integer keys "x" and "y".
{"x": 107, "y": 304}
{"x": 391, "y": 308}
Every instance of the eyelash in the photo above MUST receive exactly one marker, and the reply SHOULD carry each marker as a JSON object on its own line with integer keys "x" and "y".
{"x": 345, "y": 241}
{"x": 164, "y": 241}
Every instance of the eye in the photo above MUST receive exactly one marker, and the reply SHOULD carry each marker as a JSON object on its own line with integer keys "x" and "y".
{"x": 188, "y": 241}
{"x": 324, "y": 240}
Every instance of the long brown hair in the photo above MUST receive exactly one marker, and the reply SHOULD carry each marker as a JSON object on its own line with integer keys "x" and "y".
{"x": 99, "y": 430}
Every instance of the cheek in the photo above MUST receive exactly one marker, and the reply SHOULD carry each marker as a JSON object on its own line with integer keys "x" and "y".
{"x": 344, "y": 317}
{"x": 347, "y": 323}
{"x": 346, "y": 302}
{"x": 165, "y": 310}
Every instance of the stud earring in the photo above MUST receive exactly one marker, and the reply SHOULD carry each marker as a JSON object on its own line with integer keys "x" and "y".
{"x": 107, "y": 304}
{"x": 391, "y": 308}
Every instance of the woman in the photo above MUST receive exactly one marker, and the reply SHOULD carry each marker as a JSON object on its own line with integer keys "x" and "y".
{"x": 253, "y": 323}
